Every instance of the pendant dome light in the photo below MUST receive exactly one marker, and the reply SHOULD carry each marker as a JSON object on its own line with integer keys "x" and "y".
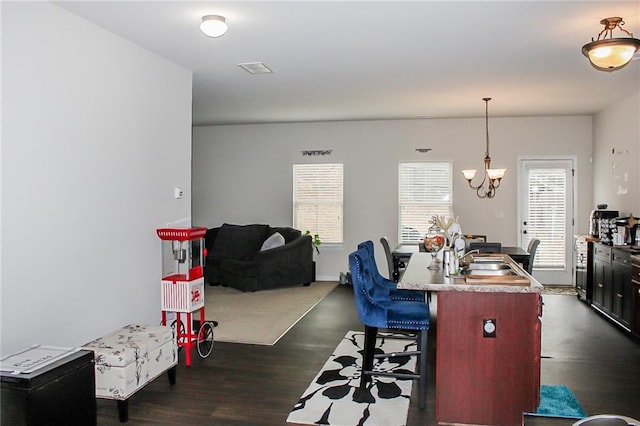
{"x": 611, "y": 54}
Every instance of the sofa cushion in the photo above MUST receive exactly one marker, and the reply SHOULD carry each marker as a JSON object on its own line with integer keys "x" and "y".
{"x": 275, "y": 240}
{"x": 240, "y": 242}
{"x": 289, "y": 234}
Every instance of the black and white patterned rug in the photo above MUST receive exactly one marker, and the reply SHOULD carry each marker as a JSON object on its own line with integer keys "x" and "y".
{"x": 334, "y": 398}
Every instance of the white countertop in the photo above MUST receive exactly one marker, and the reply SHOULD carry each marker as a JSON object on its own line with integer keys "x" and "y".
{"x": 417, "y": 276}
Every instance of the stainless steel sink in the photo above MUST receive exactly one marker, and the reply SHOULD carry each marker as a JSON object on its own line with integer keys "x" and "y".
{"x": 488, "y": 266}
{"x": 488, "y": 269}
{"x": 490, "y": 272}
{"x": 493, "y": 270}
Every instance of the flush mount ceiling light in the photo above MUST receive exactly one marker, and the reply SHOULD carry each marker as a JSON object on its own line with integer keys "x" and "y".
{"x": 491, "y": 176}
{"x": 610, "y": 54}
{"x": 213, "y": 25}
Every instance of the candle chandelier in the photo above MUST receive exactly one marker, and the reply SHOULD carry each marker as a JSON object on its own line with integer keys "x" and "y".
{"x": 491, "y": 177}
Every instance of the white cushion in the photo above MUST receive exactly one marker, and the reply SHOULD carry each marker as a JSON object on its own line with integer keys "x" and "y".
{"x": 275, "y": 240}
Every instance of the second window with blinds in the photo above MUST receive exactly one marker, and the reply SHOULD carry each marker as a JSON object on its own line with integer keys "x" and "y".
{"x": 318, "y": 199}
{"x": 424, "y": 190}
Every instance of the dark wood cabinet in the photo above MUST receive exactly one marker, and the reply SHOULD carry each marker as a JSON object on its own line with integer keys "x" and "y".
{"x": 478, "y": 375}
{"x": 584, "y": 270}
{"x": 621, "y": 287}
{"x": 635, "y": 297}
{"x": 635, "y": 302}
{"x": 602, "y": 276}
{"x": 612, "y": 288}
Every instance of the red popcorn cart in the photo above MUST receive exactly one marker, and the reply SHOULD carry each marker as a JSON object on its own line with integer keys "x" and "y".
{"x": 183, "y": 256}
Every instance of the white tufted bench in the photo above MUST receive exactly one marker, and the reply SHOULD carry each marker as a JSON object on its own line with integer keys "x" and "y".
{"x": 129, "y": 358}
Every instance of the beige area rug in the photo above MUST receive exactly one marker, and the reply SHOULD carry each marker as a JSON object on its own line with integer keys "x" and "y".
{"x": 567, "y": 290}
{"x": 261, "y": 317}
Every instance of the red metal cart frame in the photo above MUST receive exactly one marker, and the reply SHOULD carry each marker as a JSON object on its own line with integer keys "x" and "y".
{"x": 183, "y": 290}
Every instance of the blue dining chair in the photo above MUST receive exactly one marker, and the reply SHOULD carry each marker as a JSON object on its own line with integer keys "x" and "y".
{"x": 394, "y": 292}
{"x": 377, "y": 311}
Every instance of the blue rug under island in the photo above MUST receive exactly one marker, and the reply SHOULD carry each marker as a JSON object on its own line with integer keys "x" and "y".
{"x": 558, "y": 401}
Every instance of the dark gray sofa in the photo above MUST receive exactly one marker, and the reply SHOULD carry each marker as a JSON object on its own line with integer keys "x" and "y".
{"x": 234, "y": 257}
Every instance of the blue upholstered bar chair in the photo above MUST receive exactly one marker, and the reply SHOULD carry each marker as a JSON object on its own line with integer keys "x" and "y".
{"x": 394, "y": 292}
{"x": 377, "y": 311}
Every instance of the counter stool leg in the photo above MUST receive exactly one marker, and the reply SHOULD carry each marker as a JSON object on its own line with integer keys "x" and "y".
{"x": 422, "y": 381}
{"x": 370, "y": 334}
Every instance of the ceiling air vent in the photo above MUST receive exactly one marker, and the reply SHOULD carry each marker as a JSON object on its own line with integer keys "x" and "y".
{"x": 255, "y": 68}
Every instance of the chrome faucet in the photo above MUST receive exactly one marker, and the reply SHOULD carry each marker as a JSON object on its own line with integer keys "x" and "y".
{"x": 468, "y": 253}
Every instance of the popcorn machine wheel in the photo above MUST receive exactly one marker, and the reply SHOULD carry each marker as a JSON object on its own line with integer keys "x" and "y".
{"x": 202, "y": 333}
{"x": 183, "y": 255}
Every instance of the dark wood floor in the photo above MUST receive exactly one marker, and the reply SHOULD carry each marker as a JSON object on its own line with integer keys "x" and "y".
{"x": 258, "y": 385}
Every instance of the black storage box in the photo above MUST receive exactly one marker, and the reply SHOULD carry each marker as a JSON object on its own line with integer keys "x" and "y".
{"x": 60, "y": 393}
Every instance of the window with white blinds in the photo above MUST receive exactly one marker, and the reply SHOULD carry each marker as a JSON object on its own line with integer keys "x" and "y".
{"x": 547, "y": 216}
{"x": 424, "y": 190}
{"x": 318, "y": 200}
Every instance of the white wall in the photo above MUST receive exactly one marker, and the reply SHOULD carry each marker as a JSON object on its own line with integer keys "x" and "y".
{"x": 96, "y": 132}
{"x": 616, "y": 155}
{"x": 243, "y": 173}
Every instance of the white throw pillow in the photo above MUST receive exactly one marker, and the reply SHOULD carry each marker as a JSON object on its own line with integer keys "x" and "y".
{"x": 275, "y": 240}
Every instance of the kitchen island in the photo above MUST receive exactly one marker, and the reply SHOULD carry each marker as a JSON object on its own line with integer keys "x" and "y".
{"x": 487, "y": 344}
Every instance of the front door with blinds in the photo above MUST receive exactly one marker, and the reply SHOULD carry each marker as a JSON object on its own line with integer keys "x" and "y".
{"x": 545, "y": 197}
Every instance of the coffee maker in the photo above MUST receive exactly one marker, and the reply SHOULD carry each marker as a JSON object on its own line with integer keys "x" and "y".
{"x": 627, "y": 229}
{"x": 601, "y": 225}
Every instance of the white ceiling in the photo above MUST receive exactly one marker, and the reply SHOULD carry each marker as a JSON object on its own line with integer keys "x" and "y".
{"x": 357, "y": 60}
